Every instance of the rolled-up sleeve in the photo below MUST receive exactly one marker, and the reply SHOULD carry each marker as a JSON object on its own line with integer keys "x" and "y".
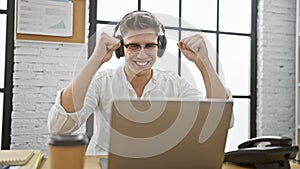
{"x": 61, "y": 122}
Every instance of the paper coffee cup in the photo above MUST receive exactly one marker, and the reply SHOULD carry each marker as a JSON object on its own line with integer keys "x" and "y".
{"x": 67, "y": 151}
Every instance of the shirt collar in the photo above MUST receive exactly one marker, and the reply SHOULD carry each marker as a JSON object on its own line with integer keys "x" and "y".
{"x": 154, "y": 75}
{"x": 121, "y": 72}
{"x": 149, "y": 86}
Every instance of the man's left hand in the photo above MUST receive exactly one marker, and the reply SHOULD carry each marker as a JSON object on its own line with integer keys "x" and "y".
{"x": 194, "y": 48}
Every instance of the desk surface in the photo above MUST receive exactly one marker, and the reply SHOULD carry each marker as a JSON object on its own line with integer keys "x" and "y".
{"x": 92, "y": 162}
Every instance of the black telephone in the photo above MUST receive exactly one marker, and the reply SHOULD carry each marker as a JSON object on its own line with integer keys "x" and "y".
{"x": 267, "y": 152}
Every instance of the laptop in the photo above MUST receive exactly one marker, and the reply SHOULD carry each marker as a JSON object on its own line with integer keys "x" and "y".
{"x": 168, "y": 134}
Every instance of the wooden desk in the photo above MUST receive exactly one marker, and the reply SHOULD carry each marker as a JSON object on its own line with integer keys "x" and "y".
{"x": 92, "y": 162}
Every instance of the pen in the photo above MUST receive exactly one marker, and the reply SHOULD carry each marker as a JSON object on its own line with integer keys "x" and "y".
{"x": 38, "y": 161}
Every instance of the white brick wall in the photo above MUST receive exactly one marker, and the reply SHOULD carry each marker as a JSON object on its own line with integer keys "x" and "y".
{"x": 276, "y": 67}
{"x": 40, "y": 70}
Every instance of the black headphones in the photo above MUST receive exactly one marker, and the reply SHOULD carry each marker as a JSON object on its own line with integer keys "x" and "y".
{"x": 161, "y": 39}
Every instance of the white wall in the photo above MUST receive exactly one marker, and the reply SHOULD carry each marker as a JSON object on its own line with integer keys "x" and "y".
{"x": 276, "y": 67}
{"x": 40, "y": 70}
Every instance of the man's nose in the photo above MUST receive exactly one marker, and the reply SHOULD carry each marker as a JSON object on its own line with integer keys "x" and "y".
{"x": 142, "y": 53}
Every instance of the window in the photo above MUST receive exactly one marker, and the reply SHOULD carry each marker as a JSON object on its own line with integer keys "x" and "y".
{"x": 6, "y": 62}
{"x": 230, "y": 36}
{"x": 2, "y": 47}
{"x": 3, "y": 5}
{"x": 2, "y": 65}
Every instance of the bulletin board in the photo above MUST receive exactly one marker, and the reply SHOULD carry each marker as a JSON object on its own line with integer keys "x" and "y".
{"x": 78, "y": 35}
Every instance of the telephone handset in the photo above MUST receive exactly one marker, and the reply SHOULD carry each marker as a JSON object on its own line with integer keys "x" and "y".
{"x": 267, "y": 152}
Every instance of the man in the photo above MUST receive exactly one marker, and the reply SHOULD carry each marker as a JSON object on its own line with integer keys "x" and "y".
{"x": 92, "y": 91}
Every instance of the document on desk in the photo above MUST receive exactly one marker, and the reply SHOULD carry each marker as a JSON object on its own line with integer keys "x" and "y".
{"x": 45, "y": 17}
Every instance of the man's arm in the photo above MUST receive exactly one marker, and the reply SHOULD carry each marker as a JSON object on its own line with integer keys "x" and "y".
{"x": 194, "y": 49}
{"x": 72, "y": 98}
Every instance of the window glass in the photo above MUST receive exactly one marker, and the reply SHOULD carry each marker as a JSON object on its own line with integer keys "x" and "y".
{"x": 240, "y": 131}
{"x": 201, "y": 14}
{"x": 161, "y": 12}
{"x": 235, "y": 16}
{"x": 114, "y": 10}
{"x": 1, "y": 117}
{"x": 234, "y": 54}
{"x": 3, "y": 4}
{"x": 2, "y": 48}
{"x": 109, "y": 29}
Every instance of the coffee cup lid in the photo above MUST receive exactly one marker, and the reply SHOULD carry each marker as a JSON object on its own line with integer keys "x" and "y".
{"x": 68, "y": 140}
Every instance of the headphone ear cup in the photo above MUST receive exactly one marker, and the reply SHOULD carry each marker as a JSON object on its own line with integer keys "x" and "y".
{"x": 162, "y": 44}
{"x": 120, "y": 51}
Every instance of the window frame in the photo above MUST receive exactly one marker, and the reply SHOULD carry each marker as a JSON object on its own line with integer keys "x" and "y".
{"x": 253, "y": 53}
{"x": 8, "y": 80}
{"x": 253, "y": 76}
{"x": 9, "y": 60}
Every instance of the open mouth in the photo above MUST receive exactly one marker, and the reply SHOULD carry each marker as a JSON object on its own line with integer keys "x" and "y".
{"x": 144, "y": 63}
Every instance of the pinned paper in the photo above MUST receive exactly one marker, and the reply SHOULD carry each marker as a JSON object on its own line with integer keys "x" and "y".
{"x": 45, "y": 17}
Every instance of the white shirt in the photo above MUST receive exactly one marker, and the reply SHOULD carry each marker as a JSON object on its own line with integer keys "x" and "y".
{"x": 104, "y": 87}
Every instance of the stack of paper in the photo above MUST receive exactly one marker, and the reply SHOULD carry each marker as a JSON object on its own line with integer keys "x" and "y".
{"x": 25, "y": 159}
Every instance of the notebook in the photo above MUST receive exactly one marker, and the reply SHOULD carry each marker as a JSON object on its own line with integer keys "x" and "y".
{"x": 165, "y": 134}
{"x": 26, "y": 159}
{"x": 15, "y": 157}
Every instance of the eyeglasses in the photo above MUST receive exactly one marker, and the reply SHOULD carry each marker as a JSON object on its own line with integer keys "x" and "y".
{"x": 135, "y": 47}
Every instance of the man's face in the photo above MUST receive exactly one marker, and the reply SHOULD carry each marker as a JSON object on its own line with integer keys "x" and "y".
{"x": 140, "y": 51}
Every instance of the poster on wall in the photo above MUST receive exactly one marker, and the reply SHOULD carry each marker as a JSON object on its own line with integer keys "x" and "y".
{"x": 45, "y": 17}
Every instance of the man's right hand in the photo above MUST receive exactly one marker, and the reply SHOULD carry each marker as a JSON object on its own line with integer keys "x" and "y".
{"x": 105, "y": 48}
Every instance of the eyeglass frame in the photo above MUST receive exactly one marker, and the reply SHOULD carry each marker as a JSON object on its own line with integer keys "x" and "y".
{"x": 150, "y": 45}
